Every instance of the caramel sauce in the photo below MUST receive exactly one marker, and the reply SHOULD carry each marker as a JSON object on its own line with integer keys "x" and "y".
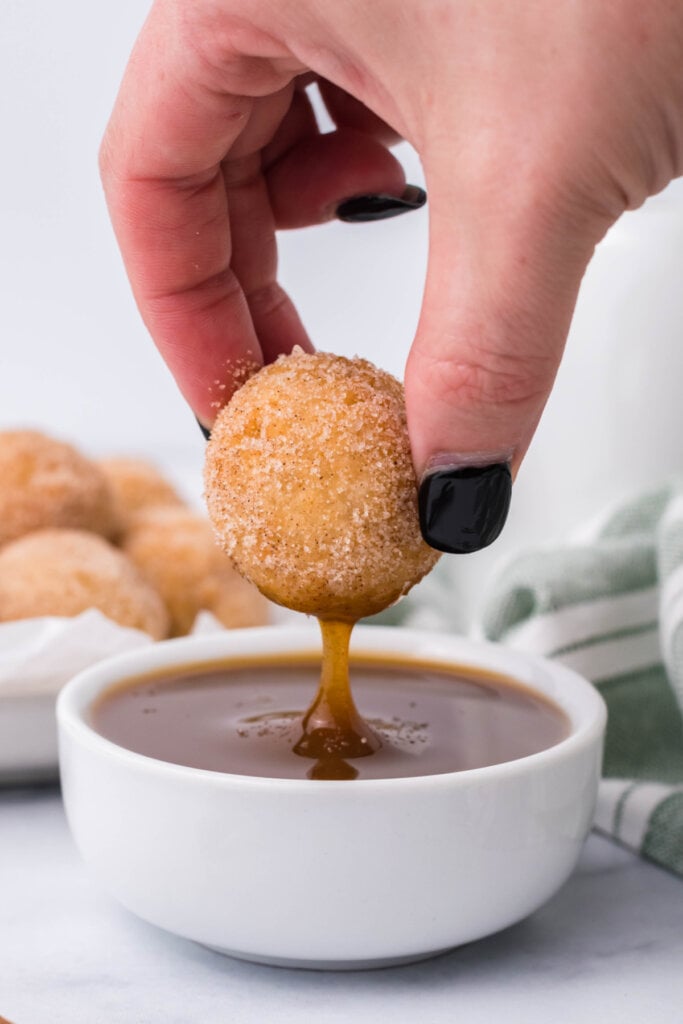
{"x": 333, "y": 728}
{"x": 247, "y": 716}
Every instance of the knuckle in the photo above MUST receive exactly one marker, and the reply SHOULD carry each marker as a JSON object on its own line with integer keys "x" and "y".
{"x": 488, "y": 378}
{"x": 267, "y": 299}
{"x": 222, "y": 44}
{"x": 191, "y": 298}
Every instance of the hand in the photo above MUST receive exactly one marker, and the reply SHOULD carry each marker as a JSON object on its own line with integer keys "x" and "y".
{"x": 537, "y": 124}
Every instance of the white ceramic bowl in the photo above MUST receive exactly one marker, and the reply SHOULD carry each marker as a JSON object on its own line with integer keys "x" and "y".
{"x": 330, "y": 874}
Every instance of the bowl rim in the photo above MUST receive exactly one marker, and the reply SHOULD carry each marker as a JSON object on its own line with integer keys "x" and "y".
{"x": 574, "y": 695}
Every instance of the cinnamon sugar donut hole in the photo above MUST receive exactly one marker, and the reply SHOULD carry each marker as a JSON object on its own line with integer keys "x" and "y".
{"x": 311, "y": 489}
{"x": 137, "y": 485}
{"x": 65, "y": 572}
{"x": 176, "y": 551}
{"x": 47, "y": 483}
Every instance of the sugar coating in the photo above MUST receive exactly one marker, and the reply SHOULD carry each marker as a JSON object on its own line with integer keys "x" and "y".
{"x": 136, "y": 485}
{"x": 311, "y": 489}
{"x": 236, "y": 372}
{"x": 65, "y": 572}
{"x": 47, "y": 483}
{"x": 176, "y": 551}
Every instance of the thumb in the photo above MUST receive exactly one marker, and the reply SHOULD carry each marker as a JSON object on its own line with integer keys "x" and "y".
{"x": 505, "y": 265}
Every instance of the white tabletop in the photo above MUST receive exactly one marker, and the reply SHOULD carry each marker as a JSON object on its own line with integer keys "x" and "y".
{"x": 608, "y": 948}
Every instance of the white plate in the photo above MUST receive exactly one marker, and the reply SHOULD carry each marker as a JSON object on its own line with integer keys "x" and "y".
{"x": 37, "y": 657}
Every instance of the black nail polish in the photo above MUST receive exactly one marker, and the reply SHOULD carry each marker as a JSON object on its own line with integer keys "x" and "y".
{"x": 360, "y": 209}
{"x": 205, "y": 430}
{"x": 463, "y": 510}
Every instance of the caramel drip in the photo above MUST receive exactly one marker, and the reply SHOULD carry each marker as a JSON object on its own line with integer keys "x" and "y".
{"x": 333, "y": 728}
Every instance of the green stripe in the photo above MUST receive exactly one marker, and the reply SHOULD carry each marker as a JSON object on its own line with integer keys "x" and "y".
{"x": 541, "y": 583}
{"x": 663, "y": 841}
{"x": 617, "y": 634}
{"x": 619, "y": 809}
{"x": 639, "y": 516}
{"x": 644, "y": 729}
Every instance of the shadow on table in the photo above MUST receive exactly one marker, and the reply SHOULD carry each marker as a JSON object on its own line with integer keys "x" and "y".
{"x": 33, "y": 792}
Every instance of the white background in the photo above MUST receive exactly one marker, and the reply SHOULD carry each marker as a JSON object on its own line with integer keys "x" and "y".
{"x": 76, "y": 360}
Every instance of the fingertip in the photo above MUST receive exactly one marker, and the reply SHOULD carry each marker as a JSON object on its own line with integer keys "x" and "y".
{"x": 463, "y": 508}
{"x": 309, "y": 182}
{"x": 367, "y": 208}
{"x": 206, "y": 433}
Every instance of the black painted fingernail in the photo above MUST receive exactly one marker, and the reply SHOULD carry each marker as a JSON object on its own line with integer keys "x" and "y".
{"x": 205, "y": 430}
{"x": 359, "y": 209}
{"x": 463, "y": 510}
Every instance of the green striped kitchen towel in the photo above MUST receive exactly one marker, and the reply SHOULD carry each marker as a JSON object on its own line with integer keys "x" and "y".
{"x": 611, "y": 607}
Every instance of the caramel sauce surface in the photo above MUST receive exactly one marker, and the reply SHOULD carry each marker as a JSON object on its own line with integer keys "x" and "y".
{"x": 248, "y": 716}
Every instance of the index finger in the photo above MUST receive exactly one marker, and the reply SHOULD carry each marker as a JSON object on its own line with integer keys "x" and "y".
{"x": 174, "y": 121}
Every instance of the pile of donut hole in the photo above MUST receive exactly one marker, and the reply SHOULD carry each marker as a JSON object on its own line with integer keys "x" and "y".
{"x": 113, "y": 535}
